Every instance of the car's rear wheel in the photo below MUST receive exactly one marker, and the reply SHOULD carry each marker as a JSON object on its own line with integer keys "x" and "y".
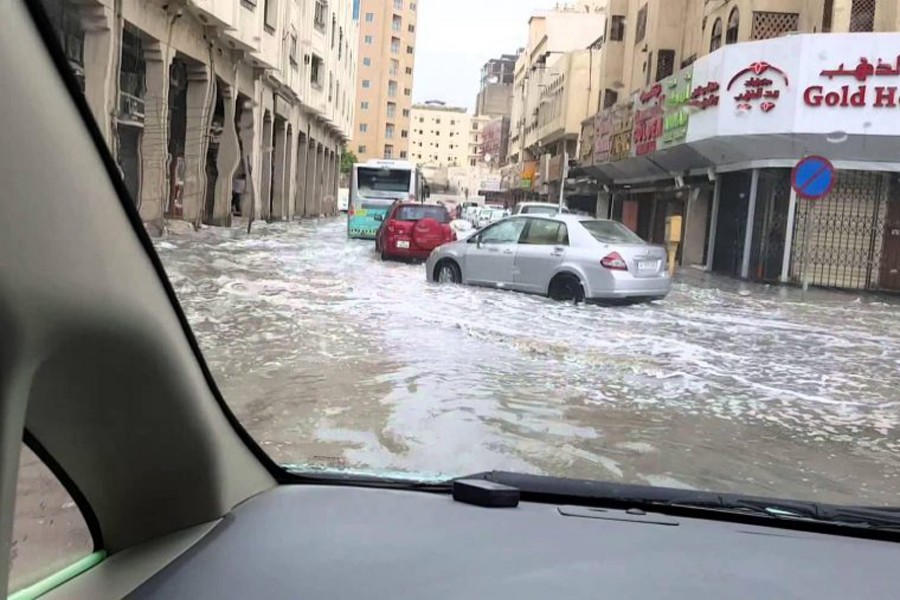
{"x": 447, "y": 271}
{"x": 566, "y": 288}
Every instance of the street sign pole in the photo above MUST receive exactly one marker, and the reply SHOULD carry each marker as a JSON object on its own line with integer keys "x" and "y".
{"x": 562, "y": 183}
{"x": 811, "y": 179}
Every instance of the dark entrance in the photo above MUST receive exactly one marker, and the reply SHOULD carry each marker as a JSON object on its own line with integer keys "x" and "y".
{"x": 177, "y": 136}
{"x": 770, "y": 224}
{"x": 216, "y": 127}
{"x": 890, "y": 253}
{"x": 732, "y": 223}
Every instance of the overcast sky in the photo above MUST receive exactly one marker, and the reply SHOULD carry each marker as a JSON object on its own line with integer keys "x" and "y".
{"x": 456, "y": 37}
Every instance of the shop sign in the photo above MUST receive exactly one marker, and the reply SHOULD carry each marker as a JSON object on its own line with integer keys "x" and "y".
{"x": 603, "y": 123}
{"x": 705, "y": 96}
{"x": 856, "y": 95}
{"x": 760, "y": 84}
{"x": 648, "y": 119}
{"x": 620, "y": 136}
{"x": 676, "y": 114}
{"x": 529, "y": 172}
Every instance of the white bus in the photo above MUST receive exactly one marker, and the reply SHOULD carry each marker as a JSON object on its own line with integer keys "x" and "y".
{"x": 374, "y": 186}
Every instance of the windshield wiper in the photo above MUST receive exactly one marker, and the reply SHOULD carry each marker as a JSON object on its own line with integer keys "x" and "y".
{"x": 538, "y": 488}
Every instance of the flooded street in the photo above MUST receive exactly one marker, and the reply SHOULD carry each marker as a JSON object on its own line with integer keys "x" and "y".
{"x": 332, "y": 358}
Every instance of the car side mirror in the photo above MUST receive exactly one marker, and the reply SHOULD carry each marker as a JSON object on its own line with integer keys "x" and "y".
{"x": 379, "y": 217}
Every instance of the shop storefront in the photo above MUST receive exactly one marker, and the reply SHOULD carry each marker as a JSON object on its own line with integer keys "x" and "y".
{"x": 716, "y": 143}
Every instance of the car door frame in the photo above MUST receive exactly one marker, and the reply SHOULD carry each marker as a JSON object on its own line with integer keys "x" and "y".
{"x": 476, "y": 245}
{"x": 556, "y": 253}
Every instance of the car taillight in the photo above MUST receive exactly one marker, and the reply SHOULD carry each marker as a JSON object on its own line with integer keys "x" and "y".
{"x": 390, "y": 227}
{"x": 614, "y": 262}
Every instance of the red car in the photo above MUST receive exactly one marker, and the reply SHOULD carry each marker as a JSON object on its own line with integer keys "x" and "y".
{"x": 412, "y": 231}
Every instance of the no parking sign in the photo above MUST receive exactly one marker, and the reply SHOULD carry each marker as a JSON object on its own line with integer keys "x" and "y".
{"x": 813, "y": 177}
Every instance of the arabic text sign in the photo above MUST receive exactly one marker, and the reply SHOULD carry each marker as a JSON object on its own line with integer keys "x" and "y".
{"x": 813, "y": 177}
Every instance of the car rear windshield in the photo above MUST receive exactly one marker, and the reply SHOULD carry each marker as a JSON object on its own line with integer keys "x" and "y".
{"x": 540, "y": 210}
{"x": 383, "y": 180}
{"x": 417, "y": 213}
{"x": 610, "y": 232}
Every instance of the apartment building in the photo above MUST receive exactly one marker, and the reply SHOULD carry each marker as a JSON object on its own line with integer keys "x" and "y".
{"x": 192, "y": 95}
{"x": 556, "y": 86}
{"x": 716, "y": 102}
{"x": 495, "y": 94}
{"x": 384, "y": 83}
{"x": 441, "y": 135}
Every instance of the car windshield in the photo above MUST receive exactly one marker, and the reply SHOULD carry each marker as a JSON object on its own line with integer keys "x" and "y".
{"x": 610, "y": 232}
{"x": 419, "y": 212}
{"x": 751, "y": 345}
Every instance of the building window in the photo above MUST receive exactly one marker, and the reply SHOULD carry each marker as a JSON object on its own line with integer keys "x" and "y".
{"x": 368, "y": 40}
{"x": 340, "y": 43}
{"x": 405, "y": 112}
{"x": 270, "y": 15}
{"x": 293, "y": 52}
{"x": 366, "y": 84}
{"x": 367, "y": 62}
{"x": 648, "y": 68}
{"x": 389, "y": 151}
{"x": 407, "y": 92}
{"x": 333, "y": 30}
{"x": 364, "y": 105}
{"x": 395, "y": 67}
{"x": 411, "y": 28}
{"x": 389, "y": 131}
{"x": 404, "y": 133}
{"x": 617, "y": 28}
{"x": 610, "y": 97}
{"x": 665, "y": 64}
{"x": 403, "y": 154}
{"x": 731, "y": 32}
{"x": 398, "y": 4}
{"x": 396, "y": 24}
{"x": 315, "y": 71}
{"x": 641, "y": 25}
{"x": 392, "y": 89}
{"x": 472, "y": 162}
{"x": 395, "y": 45}
{"x": 319, "y": 17}
{"x": 409, "y": 49}
{"x": 370, "y": 17}
{"x": 363, "y": 128}
{"x": 413, "y": 6}
{"x": 862, "y": 15}
{"x": 715, "y": 41}
{"x": 391, "y": 110}
{"x": 409, "y": 70}
{"x": 768, "y": 25}
{"x": 361, "y": 149}
{"x": 827, "y": 15}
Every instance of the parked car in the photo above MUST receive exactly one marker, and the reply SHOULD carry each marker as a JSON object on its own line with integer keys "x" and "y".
{"x": 538, "y": 208}
{"x": 565, "y": 257}
{"x": 413, "y": 230}
{"x": 490, "y": 215}
{"x": 462, "y": 228}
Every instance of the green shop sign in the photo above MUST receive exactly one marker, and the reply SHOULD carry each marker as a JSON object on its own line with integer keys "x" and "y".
{"x": 676, "y": 114}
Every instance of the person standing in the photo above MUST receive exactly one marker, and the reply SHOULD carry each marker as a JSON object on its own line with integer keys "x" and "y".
{"x": 238, "y": 187}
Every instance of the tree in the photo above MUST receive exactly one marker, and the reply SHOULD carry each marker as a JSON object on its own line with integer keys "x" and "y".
{"x": 348, "y": 159}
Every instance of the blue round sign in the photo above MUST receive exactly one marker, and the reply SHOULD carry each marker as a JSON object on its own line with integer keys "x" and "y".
{"x": 813, "y": 177}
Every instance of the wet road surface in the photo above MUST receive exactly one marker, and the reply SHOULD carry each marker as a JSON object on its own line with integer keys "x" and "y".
{"x": 332, "y": 358}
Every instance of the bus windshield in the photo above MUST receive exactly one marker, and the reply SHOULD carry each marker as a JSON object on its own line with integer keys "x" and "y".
{"x": 373, "y": 180}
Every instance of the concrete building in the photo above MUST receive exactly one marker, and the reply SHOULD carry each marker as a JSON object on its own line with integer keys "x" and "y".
{"x": 495, "y": 95}
{"x": 387, "y": 52}
{"x": 717, "y": 103}
{"x": 193, "y": 95}
{"x": 556, "y": 86}
{"x": 441, "y": 135}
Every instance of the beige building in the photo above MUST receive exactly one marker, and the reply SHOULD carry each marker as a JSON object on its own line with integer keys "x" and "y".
{"x": 194, "y": 95}
{"x": 441, "y": 135}
{"x": 384, "y": 83}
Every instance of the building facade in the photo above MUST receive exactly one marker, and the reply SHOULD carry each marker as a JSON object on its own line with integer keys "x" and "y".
{"x": 384, "y": 83}
{"x": 717, "y": 104}
{"x": 198, "y": 95}
{"x": 441, "y": 135}
{"x": 495, "y": 94}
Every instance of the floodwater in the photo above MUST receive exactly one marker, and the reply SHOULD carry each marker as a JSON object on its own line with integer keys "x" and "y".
{"x": 334, "y": 359}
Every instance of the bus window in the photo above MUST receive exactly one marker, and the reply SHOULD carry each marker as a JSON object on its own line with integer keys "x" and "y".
{"x": 372, "y": 180}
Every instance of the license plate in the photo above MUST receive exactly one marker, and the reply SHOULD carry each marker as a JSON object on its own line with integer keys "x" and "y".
{"x": 402, "y": 244}
{"x": 648, "y": 265}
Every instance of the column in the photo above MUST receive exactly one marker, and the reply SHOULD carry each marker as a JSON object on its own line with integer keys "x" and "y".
{"x": 229, "y": 156}
{"x": 713, "y": 224}
{"x": 789, "y": 238}
{"x": 247, "y": 134}
{"x": 265, "y": 175}
{"x": 300, "y": 189}
{"x": 328, "y": 194}
{"x": 101, "y": 39}
{"x": 695, "y": 227}
{"x": 748, "y": 234}
{"x": 200, "y": 105}
{"x": 290, "y": 173}
{"x": 155, "y": 140}
{"x": 337, "y": 179}
{"x": 310, "y": 196}
{"x": 320, "y": 179}
{"x": 279, "y": 165}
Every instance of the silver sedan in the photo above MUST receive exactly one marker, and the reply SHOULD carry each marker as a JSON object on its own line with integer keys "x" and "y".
{"x": 565, "y": 257}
